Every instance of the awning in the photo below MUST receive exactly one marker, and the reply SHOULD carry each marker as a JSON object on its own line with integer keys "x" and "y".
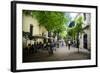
{"x": 38, "y": 37}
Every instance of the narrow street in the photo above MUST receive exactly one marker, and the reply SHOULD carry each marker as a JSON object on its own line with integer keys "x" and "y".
{"x": 50, "y": 29}
{"x": 60, "y": 54}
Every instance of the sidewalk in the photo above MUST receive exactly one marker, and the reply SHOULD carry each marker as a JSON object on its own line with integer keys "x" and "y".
{"x": 62, "y": 53}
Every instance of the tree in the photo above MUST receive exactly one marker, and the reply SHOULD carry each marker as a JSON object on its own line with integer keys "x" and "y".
{"x": 74, "y": 31}
{"x": 79, "y": 22}
{"x": 52, "y": 21}
{"x": 77, "y": 30}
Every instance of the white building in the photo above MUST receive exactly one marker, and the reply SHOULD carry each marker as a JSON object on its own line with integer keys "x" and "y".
{"x": 85, "y": 38}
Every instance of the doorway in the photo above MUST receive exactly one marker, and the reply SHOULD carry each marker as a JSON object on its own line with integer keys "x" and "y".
{"x": 85, "y": 41}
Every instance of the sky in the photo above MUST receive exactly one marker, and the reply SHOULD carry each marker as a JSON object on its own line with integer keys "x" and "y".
{"x": 73, "y": 15}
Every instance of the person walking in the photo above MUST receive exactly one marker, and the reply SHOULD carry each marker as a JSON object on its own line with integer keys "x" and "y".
{"x": 50, "y": 47}
{"x": 28, "y": 49}
{"x": 69, "y": 43}
{"x": 35, "y": 47}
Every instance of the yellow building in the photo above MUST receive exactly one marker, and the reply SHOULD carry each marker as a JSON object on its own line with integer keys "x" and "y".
{"x": 31, "y": 25}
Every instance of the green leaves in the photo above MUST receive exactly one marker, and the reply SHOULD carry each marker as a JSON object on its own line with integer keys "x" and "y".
{"x": 52, "y": 21}
{"x": 78, "y": 27}
{"x": 79, "y": 22}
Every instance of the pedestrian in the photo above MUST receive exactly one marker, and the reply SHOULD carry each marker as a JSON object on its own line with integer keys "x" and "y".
{"x": 54, "y": 47}
{"x": 69, "y": 43}
{"x": 40, "y": 45}
{"x": 32, "y": 48}
{"x": 48, "y": 47}
{"x": 51, "y": 47}
{"x": 35, "y": 47}
{"x": 28, "y": 49}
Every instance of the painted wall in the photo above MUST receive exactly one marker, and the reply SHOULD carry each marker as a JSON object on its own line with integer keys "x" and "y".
{"x": 28, "y": 20}
{"x": 86, "y": 31}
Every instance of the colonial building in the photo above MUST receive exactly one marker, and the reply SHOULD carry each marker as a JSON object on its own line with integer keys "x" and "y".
{"x": 85, "y": 37}
{"x": 32, "y": 31}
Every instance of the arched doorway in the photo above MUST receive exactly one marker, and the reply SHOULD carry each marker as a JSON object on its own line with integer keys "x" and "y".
{"x": 85, "y": 41}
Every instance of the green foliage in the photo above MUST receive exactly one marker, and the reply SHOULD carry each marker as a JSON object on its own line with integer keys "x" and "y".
{"x": 56, "y": 22}
{"x": 63, "y": 34}
{"x": 79, "y": 22}
{"x": 52, "y": 21}
{"x": 77, "y": 29}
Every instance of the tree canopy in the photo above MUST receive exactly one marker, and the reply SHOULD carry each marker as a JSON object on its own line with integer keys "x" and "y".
{"x": 52, "y": 21}
{"x": 78, "y": 27}
{"x": 55, "y": 21}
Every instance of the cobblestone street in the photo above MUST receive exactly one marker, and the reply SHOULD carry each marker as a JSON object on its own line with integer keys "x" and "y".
{"x": 60, "y": 54}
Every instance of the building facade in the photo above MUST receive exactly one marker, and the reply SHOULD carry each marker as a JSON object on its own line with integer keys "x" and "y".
{"x": 85, "y": 37}
{"x": 30, "y": 27}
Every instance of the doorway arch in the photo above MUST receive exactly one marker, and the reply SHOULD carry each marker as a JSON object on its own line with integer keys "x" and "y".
{"x": 85, "y": 41}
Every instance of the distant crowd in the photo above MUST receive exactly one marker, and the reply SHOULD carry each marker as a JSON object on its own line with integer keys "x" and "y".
{"x": 49, "y": 46}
